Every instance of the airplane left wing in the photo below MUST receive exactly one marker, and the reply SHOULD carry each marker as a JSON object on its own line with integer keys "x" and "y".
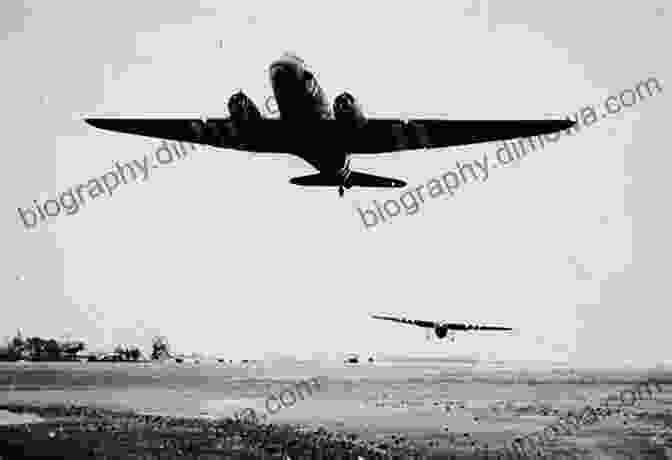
{"x": 262, "y": 136}
{"x": 379, "y": 136}
{"x": 413, "y": 322}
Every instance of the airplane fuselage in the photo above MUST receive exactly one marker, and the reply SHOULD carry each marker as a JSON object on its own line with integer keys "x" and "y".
{"x": 301, "y": 100}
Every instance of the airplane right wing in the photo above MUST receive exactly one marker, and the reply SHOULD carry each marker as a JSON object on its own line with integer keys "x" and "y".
{"x": 262, "y": 136}
{"x": 473, "y": 327}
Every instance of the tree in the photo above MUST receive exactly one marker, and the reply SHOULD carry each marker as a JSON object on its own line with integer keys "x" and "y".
{"x": 121, "y": 353}
{"x": 17, "y": 342}
{"x": 35, "y": 345}
{"x": 73, "y": 348}
{"x": 160, "y": 347}
{"x": 52, "y": 348}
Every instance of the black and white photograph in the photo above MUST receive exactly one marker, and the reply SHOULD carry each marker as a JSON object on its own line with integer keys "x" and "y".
{"x": 335, "y": 230}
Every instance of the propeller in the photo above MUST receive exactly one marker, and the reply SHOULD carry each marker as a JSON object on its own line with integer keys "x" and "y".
{"x": 239, "y": 93}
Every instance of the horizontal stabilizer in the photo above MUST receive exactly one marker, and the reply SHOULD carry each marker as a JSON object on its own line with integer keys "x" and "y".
{"x": 316, "y": 180}
{"x": 356, "y": 178}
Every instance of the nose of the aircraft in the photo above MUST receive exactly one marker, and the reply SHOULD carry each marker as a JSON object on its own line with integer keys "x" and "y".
{"x": 281, "y": 70}
{"x": 286, "y": 66}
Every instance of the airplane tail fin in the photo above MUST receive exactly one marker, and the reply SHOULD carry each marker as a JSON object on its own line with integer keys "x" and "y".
{"x": 356, "y": 178}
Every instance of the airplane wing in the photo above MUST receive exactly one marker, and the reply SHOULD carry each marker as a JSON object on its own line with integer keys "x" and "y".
{"x": 377, "y": 136}
{"x": 449, "y": 326}
{"x": 473, "y": 327}
{"x": 413, "y": 322}
{"x": 263, "y": 136}
{"x": 390, "y": 135}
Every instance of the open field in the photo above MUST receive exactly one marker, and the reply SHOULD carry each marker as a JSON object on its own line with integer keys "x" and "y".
{"x": 440, "y": 408}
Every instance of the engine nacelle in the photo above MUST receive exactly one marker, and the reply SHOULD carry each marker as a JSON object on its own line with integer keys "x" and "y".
{"x": 242, "y": 108}
{"x": 441, "y": 331}
{"x": 346, "y": 109}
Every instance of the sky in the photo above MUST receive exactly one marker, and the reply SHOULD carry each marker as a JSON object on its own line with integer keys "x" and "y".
{"x": 222, "y": 255}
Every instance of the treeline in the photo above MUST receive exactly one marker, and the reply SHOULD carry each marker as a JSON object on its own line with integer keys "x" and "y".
{"x": 40, "y": 349}
{"x": 37, "y": 348}
{"x": 126, "y": 354}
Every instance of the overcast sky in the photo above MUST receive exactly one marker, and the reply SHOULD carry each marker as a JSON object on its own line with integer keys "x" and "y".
{"x": 221, "y": 254}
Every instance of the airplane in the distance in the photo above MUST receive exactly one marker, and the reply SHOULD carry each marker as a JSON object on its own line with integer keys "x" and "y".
{"x": 323, "y": 136}
{"x": 443, "y": 329}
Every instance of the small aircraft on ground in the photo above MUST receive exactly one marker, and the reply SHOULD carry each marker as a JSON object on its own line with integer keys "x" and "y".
{"x": 443, "y": 329}
{"x": 323, "y": 136}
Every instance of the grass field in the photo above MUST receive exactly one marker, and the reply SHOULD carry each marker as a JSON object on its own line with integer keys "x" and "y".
{"x": 440, "y": 409}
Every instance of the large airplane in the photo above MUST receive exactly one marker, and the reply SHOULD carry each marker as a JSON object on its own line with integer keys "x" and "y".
{"x": 442, "y": 329}
{"x": 325, "y": 138}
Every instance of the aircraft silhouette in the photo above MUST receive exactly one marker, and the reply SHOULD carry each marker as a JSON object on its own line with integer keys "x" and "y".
{"x": 309, "y": 129}
{"x": 442, "y": 328}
